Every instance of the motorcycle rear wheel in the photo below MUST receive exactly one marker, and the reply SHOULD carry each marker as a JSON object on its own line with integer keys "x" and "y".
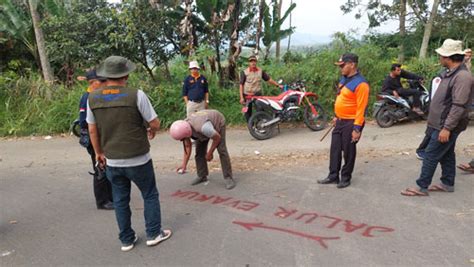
{"x": 315, "y": 123}
{"x": 383, "y": 118}
{"x": 75, "y": 128}
{"x": 255, "y": 125}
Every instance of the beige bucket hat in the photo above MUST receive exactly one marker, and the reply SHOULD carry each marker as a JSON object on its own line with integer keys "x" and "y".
{"x": 450, "y": 47}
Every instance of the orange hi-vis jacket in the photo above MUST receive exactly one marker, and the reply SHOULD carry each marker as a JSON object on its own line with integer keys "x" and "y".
{"x": 352, "y": 99}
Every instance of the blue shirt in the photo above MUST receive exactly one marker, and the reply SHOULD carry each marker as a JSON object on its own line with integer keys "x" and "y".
{"x": 195, "y": 89}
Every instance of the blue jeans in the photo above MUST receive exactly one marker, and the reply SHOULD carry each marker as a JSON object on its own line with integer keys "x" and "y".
{"x": 144, "y": 177}
{"x": 442, "y": 153}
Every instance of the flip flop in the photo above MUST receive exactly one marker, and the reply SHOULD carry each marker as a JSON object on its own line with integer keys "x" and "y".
{"x": 438, "y": 188}
{"x": 413, "y": 192}
{"x": 466, "y": 168}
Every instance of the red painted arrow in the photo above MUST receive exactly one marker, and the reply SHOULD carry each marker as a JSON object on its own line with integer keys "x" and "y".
{"x": 250, "y": 226}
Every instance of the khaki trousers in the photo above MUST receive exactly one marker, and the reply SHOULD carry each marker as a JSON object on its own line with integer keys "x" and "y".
{"x": 192, "y": 107}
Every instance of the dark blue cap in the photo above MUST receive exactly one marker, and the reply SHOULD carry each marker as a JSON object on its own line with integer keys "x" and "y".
{"x": 92, "y": 75}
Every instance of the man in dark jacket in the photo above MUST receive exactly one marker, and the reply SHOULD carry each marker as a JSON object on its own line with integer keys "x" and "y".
{"x": 102, "y": 187}
{"x": 393, "y": 86}
{"x": 447, "y": 118}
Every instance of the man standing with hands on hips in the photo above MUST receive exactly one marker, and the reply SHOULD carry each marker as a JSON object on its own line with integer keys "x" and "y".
{"x": 195, "y": 90}
{"x": 350, "y": 108}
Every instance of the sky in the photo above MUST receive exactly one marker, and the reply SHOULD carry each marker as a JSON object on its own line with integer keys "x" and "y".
{"x": 317, "y": 20}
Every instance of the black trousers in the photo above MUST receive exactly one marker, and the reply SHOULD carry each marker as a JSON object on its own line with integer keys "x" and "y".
{"x": 102, "y": 186}
{"x": 341, "y": 144}
{"x": 405, "y": 93}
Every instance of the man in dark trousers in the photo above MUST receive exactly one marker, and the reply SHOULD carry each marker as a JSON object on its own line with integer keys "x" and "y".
{"x": 102, "y": 187}
{"x": 393, "y": 86}
{"x": 350, "y": 108}
{"x": 448, "y": 117}
{"x": 202, "y": 126}
{"x": 117, "y": 116}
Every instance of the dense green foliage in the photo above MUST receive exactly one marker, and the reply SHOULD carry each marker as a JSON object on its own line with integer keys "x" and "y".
{"x": 162, "y": 36}
{"x": 26, "y": 111}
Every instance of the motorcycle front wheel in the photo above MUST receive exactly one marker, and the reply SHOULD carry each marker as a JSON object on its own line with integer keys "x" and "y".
{"x": 315, "y": 122}
{"x": 256, "y": 128}
{"x": 383, "y": 118}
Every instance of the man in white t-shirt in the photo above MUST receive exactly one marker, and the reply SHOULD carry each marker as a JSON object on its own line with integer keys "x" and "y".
{"x": 116, "y": 117}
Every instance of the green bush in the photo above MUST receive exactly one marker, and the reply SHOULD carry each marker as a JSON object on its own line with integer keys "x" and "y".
{"x": 26, "y": 110}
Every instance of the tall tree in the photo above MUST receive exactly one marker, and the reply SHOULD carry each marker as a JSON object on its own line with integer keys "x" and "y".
{"x": 289, "y": 36}
{"x": 216, "y": 14}
{"x": 277, "y": 45}
{"x": 261, "y": 13}
{"x": 402, "y": 29}
{"x": 40, "y": 42}
{"x": 234, "y": 48}
{"x": 428, "y": 24}
{"x": 187, "y": 29}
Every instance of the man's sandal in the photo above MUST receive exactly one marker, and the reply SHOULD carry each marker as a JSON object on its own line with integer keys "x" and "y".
{"x": 413, "y": 192}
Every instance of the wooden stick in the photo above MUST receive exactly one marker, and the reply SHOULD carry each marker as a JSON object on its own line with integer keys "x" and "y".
{"x": 327, "y": 132}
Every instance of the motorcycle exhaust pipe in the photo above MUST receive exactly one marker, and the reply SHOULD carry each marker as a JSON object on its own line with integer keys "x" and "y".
{"x": 268, "y": 123}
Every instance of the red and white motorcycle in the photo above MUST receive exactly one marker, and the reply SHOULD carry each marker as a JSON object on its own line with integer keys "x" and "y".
{"x": 271, "y": 110}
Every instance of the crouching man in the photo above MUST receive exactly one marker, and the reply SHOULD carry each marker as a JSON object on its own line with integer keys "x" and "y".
{"x": 202, "y": 126}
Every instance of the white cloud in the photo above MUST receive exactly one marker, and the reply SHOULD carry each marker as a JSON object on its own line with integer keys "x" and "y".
{"x": 323, "y": 18}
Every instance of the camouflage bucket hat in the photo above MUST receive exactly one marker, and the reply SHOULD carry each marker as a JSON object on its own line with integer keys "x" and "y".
{"x": 115, "y": 67}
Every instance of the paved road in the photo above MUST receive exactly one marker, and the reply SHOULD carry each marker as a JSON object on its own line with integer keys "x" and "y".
{"x": 277, "y": 215}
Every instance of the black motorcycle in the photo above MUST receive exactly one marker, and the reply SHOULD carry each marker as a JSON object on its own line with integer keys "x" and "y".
{"x": 389, "y": 109}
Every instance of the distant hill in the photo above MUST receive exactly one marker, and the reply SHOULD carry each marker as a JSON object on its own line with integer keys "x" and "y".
{"x": 307, "y": 39}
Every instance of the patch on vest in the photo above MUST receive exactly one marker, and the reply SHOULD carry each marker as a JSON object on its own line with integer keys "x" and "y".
{"x": 110, "y": 97}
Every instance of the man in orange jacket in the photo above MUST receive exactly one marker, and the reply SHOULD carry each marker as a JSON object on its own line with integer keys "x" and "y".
{"x": 350, "y": 109}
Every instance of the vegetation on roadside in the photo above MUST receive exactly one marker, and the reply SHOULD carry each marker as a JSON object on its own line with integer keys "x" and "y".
{"x": 162, "y": 36}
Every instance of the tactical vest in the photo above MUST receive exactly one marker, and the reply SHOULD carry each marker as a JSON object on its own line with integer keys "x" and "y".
{"x": 121, "y": 127}
{"x": 253, "y": 81}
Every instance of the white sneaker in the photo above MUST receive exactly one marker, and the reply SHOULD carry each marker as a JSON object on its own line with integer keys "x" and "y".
{"x": 165, "y": 234}
{"x": 126, "y": 248}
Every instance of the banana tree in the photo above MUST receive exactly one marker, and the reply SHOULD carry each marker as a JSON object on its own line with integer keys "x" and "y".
{"x": 216, "y": 14}
{"x": 272, "y": 25}
{"x": 16, "y": 24}
{"x": 21, "y": 20}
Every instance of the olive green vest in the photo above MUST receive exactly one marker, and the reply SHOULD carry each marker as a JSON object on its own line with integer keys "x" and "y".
{"x": 253, "y": 81}
{"x": 121, "y": 127}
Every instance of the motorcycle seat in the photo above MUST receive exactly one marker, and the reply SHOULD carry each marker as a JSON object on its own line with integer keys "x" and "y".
{"x": 274, "y": 98}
